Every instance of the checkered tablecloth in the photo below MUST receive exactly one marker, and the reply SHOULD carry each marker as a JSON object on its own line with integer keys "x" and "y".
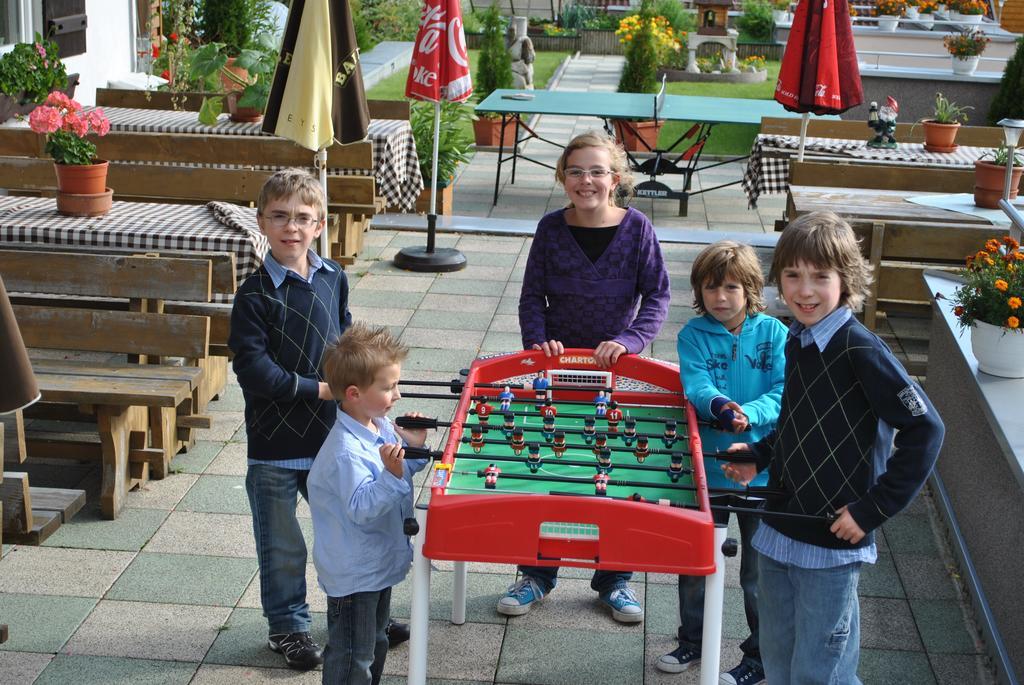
{"x": 146, "y": 226}
{"x": 396, "y": 166}
{"x": 768, "y": 165}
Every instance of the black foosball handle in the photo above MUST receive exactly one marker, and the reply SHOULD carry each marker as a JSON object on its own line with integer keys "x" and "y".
{"x": 416, "y": 422}
{"x": 420, "y": 453}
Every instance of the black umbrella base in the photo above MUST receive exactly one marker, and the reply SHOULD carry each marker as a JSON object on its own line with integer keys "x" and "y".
{"x": 443, "y": 259}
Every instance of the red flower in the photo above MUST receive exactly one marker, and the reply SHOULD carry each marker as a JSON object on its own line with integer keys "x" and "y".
{"x": 156, "y": 51}
{"x": 958, "y": 311}
{"x": 165, "y": 74}
{"x": 173, "y": 37}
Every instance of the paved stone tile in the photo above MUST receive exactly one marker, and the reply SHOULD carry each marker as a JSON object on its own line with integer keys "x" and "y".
{"x": 175, "y": 579}
{"x": 440, "y": 320}
{"x": 217, "y": 495}
{"x": 198, "y": 456}
{"x": 656, "y": 645}
{"x": 128, "y": 532}
{"x": 466, "y": 652}
{"x": 956, "y": 669}
{"x": 423, "y": 359}
{"x": 490, "y": 245}
{"x": 243, "y": 640}
{"x": 240, "y": 435}
{"x": 482, "y": 593}
{"x": 22, "y": 667}
{"x": 229, "y": 399}
{"x": 160, "y": 631}
{"x": 53, "y": 571}
{"x": 443, "y": 339}
{"x": 225, "y": 535}
{"x": 315, "y": 597}
{"x": 406, "y": 238}
{"x": 885, "y": 666}
{"x": 539, "y": 656}
{"x": 505, "y": 323}
{"x": 455, "y": 286}
{"x": 910, "y": 534}
{"x": 212, "y": 674}
{"x": 102, "y": 670}
{"x": 161, "y": 494}
{"x": 382, "y": 316}
{"x": 380, "y": 298}
{"x": 573, "y": 605}
{"x": 225, "y": 423}
{"x": 502, "y": 342}
{"x": 488, "y": 258}
{"x": 926, "y": 577}
{"x": 662, "y": 609}
{"x": 41, "y": 623}
{"x": 944, "y": 627}
{"x": 509, "y": 305}
{"x": 466, "y": 303}
{"x": 395, "y": 284}
{"x": 480, "y": 272}
{"x": 231, "y": 461}
{"x": 887, "y": 622}
{"x": 881, "y": 579}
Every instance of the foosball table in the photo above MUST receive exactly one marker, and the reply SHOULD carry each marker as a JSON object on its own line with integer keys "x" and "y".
{"x": 555, "y": 462}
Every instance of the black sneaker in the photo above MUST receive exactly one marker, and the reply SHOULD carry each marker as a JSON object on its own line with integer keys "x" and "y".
{"x": 747, "y": 673}
{"x": 682, "y": 658}
{"x": 299, "y": 650}
{"x": 397, "y": 633}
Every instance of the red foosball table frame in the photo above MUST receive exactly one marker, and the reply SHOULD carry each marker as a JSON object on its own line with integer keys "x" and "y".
{"x": 506, "y": 528}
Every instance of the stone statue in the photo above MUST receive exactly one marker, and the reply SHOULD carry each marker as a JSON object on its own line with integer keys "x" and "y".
{"x": 883, "y": 121}
{"x": 523, "y": 55}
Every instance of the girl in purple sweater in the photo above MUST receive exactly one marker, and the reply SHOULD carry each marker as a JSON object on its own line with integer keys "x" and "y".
{"x": 590, "y": 265}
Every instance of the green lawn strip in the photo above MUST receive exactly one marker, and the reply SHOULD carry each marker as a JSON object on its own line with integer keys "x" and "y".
{"x": 727, "y": 139}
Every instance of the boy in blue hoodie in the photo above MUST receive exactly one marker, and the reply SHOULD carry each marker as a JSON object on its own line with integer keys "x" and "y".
{"x": 731, "y": 360}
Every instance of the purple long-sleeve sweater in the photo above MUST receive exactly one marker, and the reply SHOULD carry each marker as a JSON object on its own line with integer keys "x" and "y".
{"x": 568, "y": 298}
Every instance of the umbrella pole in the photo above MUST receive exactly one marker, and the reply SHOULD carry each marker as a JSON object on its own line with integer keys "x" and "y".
{"x": 321, "y": 161}
{"x": 432, "y": 216}
{"x": 803, "y": 135}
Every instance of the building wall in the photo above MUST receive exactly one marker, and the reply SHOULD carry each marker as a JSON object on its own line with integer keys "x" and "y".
{"x": 109, "y": 51}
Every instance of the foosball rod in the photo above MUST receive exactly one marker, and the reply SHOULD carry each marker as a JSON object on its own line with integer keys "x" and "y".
{"x": 567, "y": 462}
{"x": 682, "y": 421}
{"x": 494, "y": 398}
{"x": 422, "y": 422}
{"x": 755, "y": 492}
{"x": 826, "y": 518}
{"x": 456, "y": 385}
{"x": 616, "y": 434}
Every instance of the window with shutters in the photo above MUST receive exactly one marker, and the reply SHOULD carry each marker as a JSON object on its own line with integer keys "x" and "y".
{"x": 65, "y": 22}
{"x": 15, "y": 22}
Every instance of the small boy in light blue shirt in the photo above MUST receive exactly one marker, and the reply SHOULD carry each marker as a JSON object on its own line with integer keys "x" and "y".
{"x": 360, "y": 493}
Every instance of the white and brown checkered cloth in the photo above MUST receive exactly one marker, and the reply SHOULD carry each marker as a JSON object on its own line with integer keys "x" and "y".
{"x": 145, "y": 226}
{"x": 768, "y": 165}
{"x": 396, "y": 167}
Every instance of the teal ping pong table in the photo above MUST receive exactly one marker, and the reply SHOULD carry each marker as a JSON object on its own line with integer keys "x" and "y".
{"x": 682, "y": 157}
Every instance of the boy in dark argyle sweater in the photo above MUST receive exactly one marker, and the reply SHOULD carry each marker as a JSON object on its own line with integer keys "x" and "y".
{"x": 831, "y": 452}
{"x": 285, "y": 317}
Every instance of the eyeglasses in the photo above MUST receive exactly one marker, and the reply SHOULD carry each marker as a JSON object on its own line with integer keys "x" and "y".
{"x": 280, "y": 220}
{"x": 596, "y": 174}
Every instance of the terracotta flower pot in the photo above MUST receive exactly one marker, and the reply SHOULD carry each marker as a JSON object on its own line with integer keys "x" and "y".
{"x": 82, "y": 179}
{"x": 939, "y": 137}
{"x": 638, "y": 136}
{"x": 228, "y": 84}
{"x": 487, "y": 132}
{"x": 96, "y": 204}
{"x": 988, "y": 183}
{"x": 244, "y": 114}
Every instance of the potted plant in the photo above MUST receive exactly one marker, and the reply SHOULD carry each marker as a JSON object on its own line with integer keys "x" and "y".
{"x": 969, "y": 12}
{"x": 889, "y": 13}
{"x": 990, "y": 177}
{"x": 912, "y": 11}
{"x": 494, "y": 71}
{"x": 926, "y": 10}
{"x": 452, "y": 149}
{"x": 780, "y": 10}
{"x": 966, "y": 46}
{"x": 647, "y": 38}
{"x": 247, "y": 99}
{"x": 28, "y": 74}
{"x": 940, "y": 130}
{"x": 989, "y": 304}
{"x": 81, "y": 178}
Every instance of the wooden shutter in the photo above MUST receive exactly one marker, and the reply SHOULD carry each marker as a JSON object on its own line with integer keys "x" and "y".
{"x": 65, "y": 22}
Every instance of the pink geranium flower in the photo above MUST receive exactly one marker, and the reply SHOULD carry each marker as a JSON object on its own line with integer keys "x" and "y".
{"x": 66, "y": 126}
{"x": 44, "y": 119}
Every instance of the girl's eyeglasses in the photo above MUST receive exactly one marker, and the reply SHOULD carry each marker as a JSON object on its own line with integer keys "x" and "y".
{"x": 577, "y": 173}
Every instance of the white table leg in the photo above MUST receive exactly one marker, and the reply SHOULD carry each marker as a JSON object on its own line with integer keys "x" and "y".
{"x": 419, "y": 622}
{"x": 714, "y": 596}
{"x": 459, "y": 594}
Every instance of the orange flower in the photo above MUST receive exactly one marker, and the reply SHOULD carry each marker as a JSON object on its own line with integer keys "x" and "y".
{"x": 1010, "y": 242}
{"x": 958, "y": 311}
{"x": 1014, "y": 302}
{"x": 1001, "y": 285}
{"x": 1013, "y": 322}
{"x": 989, "y": 262}
{"x": 992, "y": 245}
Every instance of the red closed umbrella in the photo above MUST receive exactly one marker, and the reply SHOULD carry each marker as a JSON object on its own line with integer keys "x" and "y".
{"x": 439, "y": 70}
{"x": 819, "y": 72}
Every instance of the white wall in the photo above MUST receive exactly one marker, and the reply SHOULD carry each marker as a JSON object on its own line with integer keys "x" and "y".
{"x": 109, "y": 41}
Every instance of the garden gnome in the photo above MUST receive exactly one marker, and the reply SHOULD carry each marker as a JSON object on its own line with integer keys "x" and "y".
{"x": 522, "y": 54}
{"x": 883, "y": 121}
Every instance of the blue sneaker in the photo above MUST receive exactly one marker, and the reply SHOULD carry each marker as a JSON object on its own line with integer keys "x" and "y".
{"x": 682, "y": 658}
{"x": 624, "y": 605}
{"x": 747, "y": 673}
{"x": 520, "y": 597}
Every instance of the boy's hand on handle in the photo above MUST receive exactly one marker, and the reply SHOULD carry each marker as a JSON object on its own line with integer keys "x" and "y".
{"x": 324, "y": 392}
{"x": 739, "y": 473}
{"x": 392, "y": 456}
{"x": 846, "y": 528}
{"x": 415, "y": 437}
{"x": 550, "y": 348}
{"x": 608, "y": 352}
{"x": 740, "y": 421}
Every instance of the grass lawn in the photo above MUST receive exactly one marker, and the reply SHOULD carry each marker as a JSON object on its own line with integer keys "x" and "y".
{"x": 726, "y": 139}
{"x": 393, "y": 87}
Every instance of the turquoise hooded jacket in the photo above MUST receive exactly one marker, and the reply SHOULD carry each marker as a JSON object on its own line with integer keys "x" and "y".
{"x": 748, "y": 369}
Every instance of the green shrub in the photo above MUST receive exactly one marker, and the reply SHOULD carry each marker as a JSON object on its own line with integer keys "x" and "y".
{"x": 452, "y": 143}
{"x": 495, "y": 68}
{"x": 679, "y": 19}
{"x": 391, "y": 19}
{"x": 756, "y": 20}
{"x": 233, "y": 22}
{"x": 601, "y": 21}
{"x": 575, "y": 16}
{"x": 364, "y": 36}
{"x": 642, "y": 59}
{"x": 1009, "y": 101}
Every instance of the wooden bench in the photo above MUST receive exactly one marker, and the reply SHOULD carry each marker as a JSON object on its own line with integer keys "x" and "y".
{"x": 978, "y": 136}
{"x": 140, "y": 405}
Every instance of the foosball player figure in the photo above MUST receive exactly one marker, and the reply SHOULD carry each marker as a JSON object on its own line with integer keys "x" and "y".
{"x": 518, "y": 442}
{"x": 600, "y": 442}
{"x": 548, "y": 430}
{"x": 476, "y": 438}
{"x": 506, "y": 397}
{"x": 675, "y": 466}
{"x": 491, "y": 474}
{"x": 559, "y": 445}
{"x": 604, "y": 460}
{"x": 642, "y": 451}
{"x": 600, "y": 404}
{"x": 670, "y": 433}
{"x": 510, "y": 424}
{"x": 601, "y": 484}
{"x": 540, "y": 387}
{"x": 629, "y": 432}
{"x": 483, "y": 412}
{"x": 588, "y": 429}
{"x": 613, "y": 416}
{"x": 533, "y": 457}
{"x": 548, "y": 409}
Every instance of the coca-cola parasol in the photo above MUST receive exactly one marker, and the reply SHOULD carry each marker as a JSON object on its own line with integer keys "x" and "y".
{"x": 819, "y": 72}
{"x": 439, "y": 70}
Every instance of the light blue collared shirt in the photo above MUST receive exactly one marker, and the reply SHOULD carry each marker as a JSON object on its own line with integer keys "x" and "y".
{"x": 782, "y": 548}
{"x": 277, "y": 274}
{"x": 359, "y": 510}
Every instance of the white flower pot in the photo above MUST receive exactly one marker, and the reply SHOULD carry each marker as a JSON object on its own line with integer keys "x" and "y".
{"x": 965, "y": 66}
{"x": 926, "y": 20}
{"x": 779, "y": 16}
{"x": 911, "y": 12}
{"x": 968, "y": 19}
{"x": 999, "y": 351}
{"x": 888, "y": 22}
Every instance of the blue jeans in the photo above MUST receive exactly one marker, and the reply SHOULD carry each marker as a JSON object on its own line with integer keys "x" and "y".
{"x": 691, "y": 588}
{"x": 357, "y": 641}
{"x": 280, "y": 548}
{"x": 812, "y": 623}
{"x": 603, "y": 582}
